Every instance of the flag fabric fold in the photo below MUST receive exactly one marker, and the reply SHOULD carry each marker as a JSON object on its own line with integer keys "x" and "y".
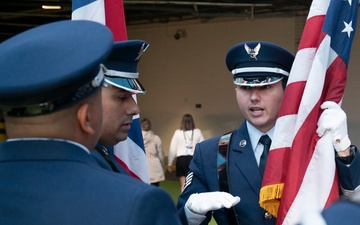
{"x": 301, "y": 172}
{"x": 130, "y": 153}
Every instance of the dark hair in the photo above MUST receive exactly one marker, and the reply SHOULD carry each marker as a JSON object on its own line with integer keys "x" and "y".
{"x": 187, "y": 122}
{"x": 284, "y": 82}
{"x": 145, "y": 124}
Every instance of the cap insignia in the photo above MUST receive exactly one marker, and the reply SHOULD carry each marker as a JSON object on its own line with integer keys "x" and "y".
{"x": 252, "y": 52}
{"x": 141, "y": 51}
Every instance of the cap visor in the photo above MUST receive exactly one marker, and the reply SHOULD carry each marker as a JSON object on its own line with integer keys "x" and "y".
{"x": 257, "y": 81}
{"x": 128, "y": 84}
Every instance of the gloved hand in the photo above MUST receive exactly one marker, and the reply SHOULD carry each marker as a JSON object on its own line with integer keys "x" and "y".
{"x": 334, "y": 119}
{"x": 204, "y": 202}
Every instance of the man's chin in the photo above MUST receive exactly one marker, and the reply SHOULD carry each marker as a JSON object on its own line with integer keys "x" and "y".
{"x": 117, "y": 140}
{"x": 123, "y": 138}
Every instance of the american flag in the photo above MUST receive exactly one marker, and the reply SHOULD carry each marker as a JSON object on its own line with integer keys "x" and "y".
{"x": 301, "y": 172}
{"x": 131, "y": 152}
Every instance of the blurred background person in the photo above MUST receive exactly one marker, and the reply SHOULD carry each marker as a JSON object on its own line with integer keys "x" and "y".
{"x": 154, "y": 153}
{"x": 182, "y": 146}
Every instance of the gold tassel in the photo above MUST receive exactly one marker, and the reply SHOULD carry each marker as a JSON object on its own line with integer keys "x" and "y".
{"x": 270, "y": 198}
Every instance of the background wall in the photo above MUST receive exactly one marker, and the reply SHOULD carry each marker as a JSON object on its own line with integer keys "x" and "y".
{"x": 178, "y": 74}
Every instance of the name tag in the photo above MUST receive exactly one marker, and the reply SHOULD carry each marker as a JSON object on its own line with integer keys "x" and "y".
{"x": 189, "y": 150}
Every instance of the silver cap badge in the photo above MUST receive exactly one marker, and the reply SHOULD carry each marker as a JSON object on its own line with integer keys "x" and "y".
{"x": 141, "y": 51}
{"x": 252, "y": 52}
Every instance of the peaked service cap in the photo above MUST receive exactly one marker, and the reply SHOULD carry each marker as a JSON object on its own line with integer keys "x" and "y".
{"x": 258, "y": 63}
{"x": 51, "y": 66}
{"x": 122, "y": 64}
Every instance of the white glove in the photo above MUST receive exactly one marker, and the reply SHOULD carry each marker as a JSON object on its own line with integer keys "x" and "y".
{"x": 334, "y": 119}
{"x": 204, "y": 202}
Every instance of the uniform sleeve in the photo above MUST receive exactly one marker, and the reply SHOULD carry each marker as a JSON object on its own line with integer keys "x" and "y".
{"x": 195, "y": 183}
{"x": 349, "y": 175}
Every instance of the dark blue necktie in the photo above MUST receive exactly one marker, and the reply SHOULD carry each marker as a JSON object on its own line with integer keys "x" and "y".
{"x": 266, "y": 141}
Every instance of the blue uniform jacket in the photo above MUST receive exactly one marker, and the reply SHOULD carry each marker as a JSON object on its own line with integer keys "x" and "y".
{"x": 103, "y": 163}
{"x": 56, "y": 182}
{"x": 245, "y": 178}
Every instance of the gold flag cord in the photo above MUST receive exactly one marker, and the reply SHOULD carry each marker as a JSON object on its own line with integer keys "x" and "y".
{"x": 270, "y": 198}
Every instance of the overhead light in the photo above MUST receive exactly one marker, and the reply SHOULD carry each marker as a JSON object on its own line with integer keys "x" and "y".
{"x": 51, "y": 7}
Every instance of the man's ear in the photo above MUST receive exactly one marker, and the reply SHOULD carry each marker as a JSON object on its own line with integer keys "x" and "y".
{"x": 84, "y": 119}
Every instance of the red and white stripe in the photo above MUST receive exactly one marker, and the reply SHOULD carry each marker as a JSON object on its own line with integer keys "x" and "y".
{"x": 298, "y": 158}
{"x": 130, "y": 153}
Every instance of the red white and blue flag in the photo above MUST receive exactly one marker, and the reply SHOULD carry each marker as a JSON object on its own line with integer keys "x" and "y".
{"x": 130, "y": 153}
{"x": 301, "y": 173}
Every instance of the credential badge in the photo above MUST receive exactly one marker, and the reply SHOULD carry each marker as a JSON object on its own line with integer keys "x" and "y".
{"x": 141, "y": 51}
{"x": 252, "y": 52}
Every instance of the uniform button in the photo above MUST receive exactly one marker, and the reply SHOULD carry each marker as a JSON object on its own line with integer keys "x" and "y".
{"x": 267, "y": 215}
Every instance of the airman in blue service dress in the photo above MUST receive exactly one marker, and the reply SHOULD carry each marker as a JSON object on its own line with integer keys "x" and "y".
{"x": 50, "y": 92}
{"x": 346, "y": 211}
{"x": 122, "y": 74}
{"x": 253, "y": 64}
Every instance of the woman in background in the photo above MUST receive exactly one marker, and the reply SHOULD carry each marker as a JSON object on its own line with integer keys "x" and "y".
{"x": 182, "y": 146}
{"x": 154, "y": 153}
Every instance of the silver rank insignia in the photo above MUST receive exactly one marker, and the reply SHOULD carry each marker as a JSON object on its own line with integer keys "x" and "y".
{"x": 188, "y": 179}
{"x": 252, "y": 52}
{"x": 141, "y": 51}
